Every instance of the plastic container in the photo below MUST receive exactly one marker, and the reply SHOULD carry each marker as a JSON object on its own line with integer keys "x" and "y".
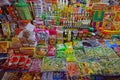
{"x": 23, "y": 10}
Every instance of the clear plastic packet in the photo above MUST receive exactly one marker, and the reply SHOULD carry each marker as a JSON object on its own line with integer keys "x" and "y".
{"x": 27, "y": 36}
{"x": 41, "y": 50}
{"x": 51, "y": 51}
{"x": 61, "y": 54}
{"x": 73, "y": 69}
{"x": 59, "y": 64}
{"x": 61, "y": 47}
{"x": 36, "y": 65}
{"x": 47, "y": 64}
{"x": 77, "y": 45}
{"x": 89, "y": 52}
{"x": 80, "y": 55}
{"x": 42, "y": 36}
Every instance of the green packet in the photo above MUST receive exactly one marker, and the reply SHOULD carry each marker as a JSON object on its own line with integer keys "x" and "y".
{"x": 61, "y": 54}
{"x": 77, "y": 44}
{"x": 60, "y": 47}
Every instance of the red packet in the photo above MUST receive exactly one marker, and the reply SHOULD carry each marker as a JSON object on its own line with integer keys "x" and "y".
{"x": 23, "y": 60}
{"x": 28, "y": 63}
{"x": 51, "y": 51}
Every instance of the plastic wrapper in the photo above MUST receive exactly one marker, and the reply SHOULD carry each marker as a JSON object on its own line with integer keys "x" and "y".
{"x": 47, "y": 76}
{"x": 80, "y": 55}
{"x": 61, "y": 47}
{"x": 41, "y": 51}
{"x": 68, "y": 45}
{"x": 53, "y": 35}
{"x": 77, "y": 44}
{"x": 4, "y": 2}
{"x": 61, "y": 54}
{"x": 51, "y": 51}
{"x": 59, "y": 75}
{"x": 59, "y": 64}
{"x": 42, "y": 36}
{"x": 73, "y": 69}
{"x": 27, "y": 36}
{"x": 36, "y": 65}
{"x": 85, "y": 69}
{"x": 90, "y": 53}
{"x": 47, "y": 64}
{"x": 96, "y": 67}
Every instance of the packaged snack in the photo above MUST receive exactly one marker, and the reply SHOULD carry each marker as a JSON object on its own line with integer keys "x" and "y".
{"x": 59, "y": 75}
{"x": 60, "y": 47}
{"x": 61, "y": 54}
{"x": 41, "y": 50}
{"x": 77, "y": 45}
{"x": 42, "y": 36}
{"x": 27, "y": 36}
{"x": 53, "y": 35}
{"x": 80, "y": 55}
{"x": 6, "y": 29}
{"x": 47, "y": 64}
{"x": 27, "y": 64}
{"x": 59, "y": 64}
{"x": 23, "y": 10}
{"x": 4, "y": 46}
{"x": 68, "y": 45}
{"x": 27, "y": 50}
{"x": 36, "y": 65}
{"x": 71, "y": 57}
{"x": 27, "y": 76}
{"x": 51, "y": 51}
{"x": 73, "y": 69}
{"x": 15, "y": 43}
{"x": 23, "y": 60}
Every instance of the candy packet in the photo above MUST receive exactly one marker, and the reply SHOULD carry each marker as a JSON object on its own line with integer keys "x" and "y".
{"x": 77, "y": 44}
{"x": 52, "y": 38}
{"x": 68, "y": 45}
{"x": 27, "y": 36}
{"x": 73, "y": 69}
{"x": 36, "y": 65}
{"x": 80, "y": 55}
{"x": 47, "y": 64}
{"x": 41, "y": 50}
{"x": 89, "y": 52}
{"x": 61, "y": 54}
{"x": 51, "y": 51}
{"x": 42, "y": 36}
{"x": 61, "y": 47}
{"x": 59, "y": 64}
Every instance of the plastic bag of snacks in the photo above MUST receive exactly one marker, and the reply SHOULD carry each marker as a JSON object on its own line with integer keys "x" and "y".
{"x": 59, "y": 64}
{"x": 90, "y": 53}
{"x": 80, "y": 55}
{"x": 36, "y": 65}
{"x": 77, "y": 44}
{"x": 17, "y": 61}
{"x": 47, "y": 64}
{"x": 96, "y": 67}
{"x": 85, "y": 69}
{"x": 73, "y": 69}
{"x": 68, "y": 45}
{"x": 61, "y": 54}
{"x": 27, "y": 36}
{"x": 51, "y": 51}
{"x": 42, "y": 36}
{"x": 59, "y": 75}
{"x": 41, "y": 50}
{"x": 47, "y": 76}
{"x": 52, "y": 38}
{"x": 61, "y": 47}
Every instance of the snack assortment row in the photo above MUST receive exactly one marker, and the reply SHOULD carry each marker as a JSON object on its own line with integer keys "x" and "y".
{"x": 59, "y": 39}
